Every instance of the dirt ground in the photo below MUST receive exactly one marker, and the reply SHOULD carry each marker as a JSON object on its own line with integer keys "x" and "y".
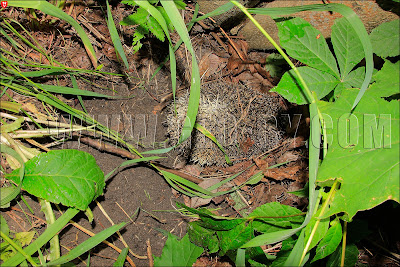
{"x": 140, "y": 186}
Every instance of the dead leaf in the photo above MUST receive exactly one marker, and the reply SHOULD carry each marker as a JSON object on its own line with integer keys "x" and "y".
{"x": 198, "y": 201}
{"x": 39, "y": 58}
{"x": 28, "y": 106}
{"x": 211, "y": 64}
{"x": 288, "y": 156}
{"x": 262, "y": 164}
{"x": 246, "y": 145}
{"x": 283, "y": 173}
{"x": 193, "y": 170}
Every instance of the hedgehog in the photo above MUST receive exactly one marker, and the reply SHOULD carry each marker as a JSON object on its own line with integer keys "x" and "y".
{"x": 242, "y": 120}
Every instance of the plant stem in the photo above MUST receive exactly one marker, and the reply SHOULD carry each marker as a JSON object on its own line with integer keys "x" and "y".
{"x": 18, "y": 248}
{"x": 344, "y": 244}
{"x": 325, "y": 205}
{"x": 50, "y": 218}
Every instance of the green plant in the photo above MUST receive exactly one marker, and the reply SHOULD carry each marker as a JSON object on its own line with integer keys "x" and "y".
{"x": 146, "y": 23}
{"x": 52, "y": 10}
{"x": 57, "y": 176}
{"x": 359, "y": 168}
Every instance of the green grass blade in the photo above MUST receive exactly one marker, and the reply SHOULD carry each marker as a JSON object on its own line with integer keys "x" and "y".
{"x": 88, "y": 244}
{"x": 75, "y": 86}
{"x": 129, "y": 162}
{"x": 194, "y": 97}
{"x": 18, "y": 248}
{"x": 295, "y": 255}
{"x": 212, "y": 137}
{"x": 218, "y": 11}
{"x": 72, "y": 91}
{"x": 178, "y": 44}
{"x": 121, "y": 258}
{"x": 51, "y": 10}
{"x": 115, "y": 37}
{"x": 187, "y": 183}
{"x": 37, "y": 47}
{"x": 43, "y": 238}
{"x": 15, "y": 44}
{"x": 240, "y": 257}
{"x": 41, "y": 73}
{"x": 353, "y": 20}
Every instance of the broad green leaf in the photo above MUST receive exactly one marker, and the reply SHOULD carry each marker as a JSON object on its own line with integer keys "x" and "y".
{"x": 274, "y": 63}
{"x": 178, "y": 252}
{"x": 69, "y": 177}
{"x": 88, "y": 244}
{"x": 363, "y": 156}
{"x": 354, "y": 78}
{"x": 318, "y": 81}
{"x": 330, "y": 241}
{"x": 387, "y": 80}
{"x": 347, "y": 46}
{"x": 346, "y": 12}
{"x": 301, "y": 42}
{"x": 137, "y": 18}
{"x": 235, "y": 237}
{"x": 203, "y": 237}
{"x": 51, "y": 10}
{"x": 274, "y": 209}
{"x": 385, "y": 39}
{"x": 156, "y": 29}
{"x": 350, "y": 258}
{"x": 281, "y": 258}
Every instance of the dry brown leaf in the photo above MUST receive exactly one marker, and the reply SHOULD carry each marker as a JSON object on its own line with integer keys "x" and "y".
{"x": 28, "y": 106}
{"x": 198, "y": 201}
{"x": 288, "y": 156}
{"x": 211, "y": 64}
{"x": 283, "y": 173}
{"x": 39, "y": 58}
{"x": 246, "y": 145}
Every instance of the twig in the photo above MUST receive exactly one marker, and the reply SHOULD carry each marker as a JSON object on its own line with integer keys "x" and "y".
{"x": 124, "y": 153}
{"x": 86, "y": 231}
{"x": 119, "y": 234}
{"x": 149, "y": 254}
